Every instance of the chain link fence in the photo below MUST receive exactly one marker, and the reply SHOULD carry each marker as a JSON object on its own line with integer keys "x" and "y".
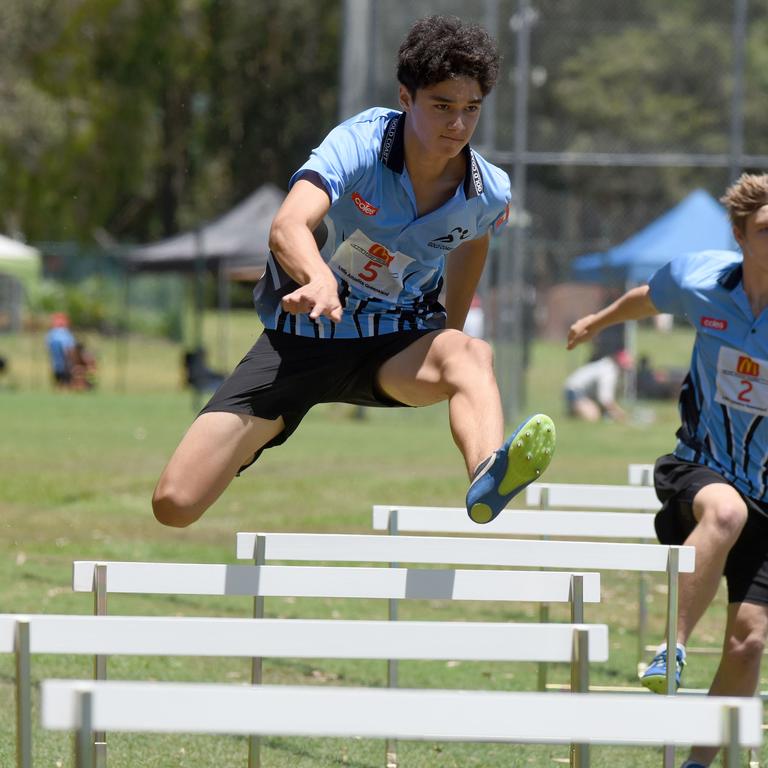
{"x": 607, "y": 113}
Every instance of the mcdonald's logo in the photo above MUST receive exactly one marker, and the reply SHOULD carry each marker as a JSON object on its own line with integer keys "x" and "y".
{"x": 380, "y": 255}
{"x": 747, "y": 366}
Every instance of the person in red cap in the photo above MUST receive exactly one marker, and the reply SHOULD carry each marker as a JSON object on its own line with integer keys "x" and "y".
{"x": 61, "y": 347}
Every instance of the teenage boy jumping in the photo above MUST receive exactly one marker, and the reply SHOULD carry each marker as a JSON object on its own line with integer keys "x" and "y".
{"x": 391, "y": 211}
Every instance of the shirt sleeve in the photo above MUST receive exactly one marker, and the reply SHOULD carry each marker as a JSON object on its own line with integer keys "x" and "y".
{"x": 495, "y": 214}
{"x": 667, "y": 287}
{"x": 339, "y": 162}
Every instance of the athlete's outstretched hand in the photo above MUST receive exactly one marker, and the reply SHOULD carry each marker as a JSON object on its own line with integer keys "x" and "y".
{"x": 318, "y": 297}
{"x": 582, "y": 330}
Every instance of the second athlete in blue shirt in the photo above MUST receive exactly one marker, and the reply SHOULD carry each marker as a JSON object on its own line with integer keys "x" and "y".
{"x": 714, "y": 486}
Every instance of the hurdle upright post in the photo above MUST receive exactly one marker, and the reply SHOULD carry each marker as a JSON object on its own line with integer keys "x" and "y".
{"x": 390, "y": 747}
{"x": 579, "y": 757}
{"x": 254, "y": 742}
{"x": 579, "y": 661}
{"x": 23, "y": 696}
{"x": 642, "y": 619}
{"x": 577, "y": 598}
{"x": 85, "y": 736}
{"x": 100, "y": 662}
{"x": 673, "y": 578}
{"x": 731, "y": 746}
{"x": 541, "y": 673}
{"x": 645, "y": 479}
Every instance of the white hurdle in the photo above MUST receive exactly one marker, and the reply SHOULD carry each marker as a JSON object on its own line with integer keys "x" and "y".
{"x": 395, "y": 518}
{"x": 261, "y": 581}
{"x": 398, "y": 519}
{"x": 548, "y": 718}
{"x": 478, "y": 551}
{"x": 641, "y": 499}
{"x": 331, "y": 547}
{"x": 286, "y": 638}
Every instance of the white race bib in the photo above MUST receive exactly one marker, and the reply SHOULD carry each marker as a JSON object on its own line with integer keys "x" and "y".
{"x": 742, "y": 381}
{"x": 370, "y": 267}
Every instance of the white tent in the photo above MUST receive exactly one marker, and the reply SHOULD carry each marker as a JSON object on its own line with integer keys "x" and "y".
{"x": 19, "y": 268}
{"x": 13, "y": 250}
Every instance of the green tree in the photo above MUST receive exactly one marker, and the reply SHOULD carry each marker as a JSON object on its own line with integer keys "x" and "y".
{"x": 32, "y": 121}
{"x": 140, "y": 117}
{"x": 634, "y": 77}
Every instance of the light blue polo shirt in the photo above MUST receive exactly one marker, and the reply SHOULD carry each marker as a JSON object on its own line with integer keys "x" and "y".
{"x": 388, "y": 261}
{"x": 724, "y": 399}
{"x": 60, "y": 342}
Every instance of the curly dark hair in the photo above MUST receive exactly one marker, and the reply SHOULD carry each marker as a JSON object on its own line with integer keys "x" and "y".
{"x": 439, "y": 48}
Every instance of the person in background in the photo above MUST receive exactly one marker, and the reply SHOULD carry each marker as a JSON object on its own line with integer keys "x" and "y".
{"x": 714, "y": 486}
{"x": 61, "y": 349}
{"x": 83, "y": 368}
{"x": 657, "y": 383}
{"x": 590, "y": 391}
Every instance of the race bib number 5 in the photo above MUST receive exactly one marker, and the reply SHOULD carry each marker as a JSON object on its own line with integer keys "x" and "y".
{"x": 370, "y": 266}
{"x": 742, "y": 381}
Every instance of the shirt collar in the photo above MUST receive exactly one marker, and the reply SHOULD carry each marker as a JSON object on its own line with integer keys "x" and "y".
{"x": 731, "y": 276}
{"x": 392, "y": 155}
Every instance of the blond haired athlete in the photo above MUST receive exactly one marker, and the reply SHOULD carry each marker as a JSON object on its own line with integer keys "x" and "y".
{"x": 714, "y": 485}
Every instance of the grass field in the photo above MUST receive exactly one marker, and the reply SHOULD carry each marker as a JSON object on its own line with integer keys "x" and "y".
{"x": 76, "y": 475}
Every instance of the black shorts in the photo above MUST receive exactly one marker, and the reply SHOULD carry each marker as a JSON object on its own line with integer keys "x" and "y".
{"x": 285, "y": 375}
{"x": 746, "y": 568}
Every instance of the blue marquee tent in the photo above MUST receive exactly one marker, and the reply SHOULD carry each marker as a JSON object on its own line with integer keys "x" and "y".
{"x": 697, "y": 223}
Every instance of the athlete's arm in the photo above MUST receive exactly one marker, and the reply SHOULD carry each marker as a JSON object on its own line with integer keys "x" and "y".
{"x": 635, "y": 304}
{"x": 463, "y": 268}
{"x": 293, "y": 245}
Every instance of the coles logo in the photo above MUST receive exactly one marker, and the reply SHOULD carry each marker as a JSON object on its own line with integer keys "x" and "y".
{"x": 502, "y": 219}
{"x": 363, "y": 205}
{"x": 714, "y": 323}
{"x": 747, "y": 366}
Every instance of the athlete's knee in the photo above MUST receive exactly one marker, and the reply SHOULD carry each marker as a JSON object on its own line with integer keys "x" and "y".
{"x": 480, "y": 352}
{"x": 466, "y": 359}
{"x": 726, "y": 518}
{"x": 173, "y": 507}
{"x": 747, "y": 651}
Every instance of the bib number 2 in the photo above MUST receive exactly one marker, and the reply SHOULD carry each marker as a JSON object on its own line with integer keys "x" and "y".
{"x": 742, "y": 381}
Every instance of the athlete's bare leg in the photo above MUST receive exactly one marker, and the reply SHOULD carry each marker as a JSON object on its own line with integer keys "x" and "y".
{"x": 205, "y": 461}
{"x": 587, "y": 410}
{"x": 739, "y": 671}
{"x": 721, "y": 514}
{"x": 449, "y": 365}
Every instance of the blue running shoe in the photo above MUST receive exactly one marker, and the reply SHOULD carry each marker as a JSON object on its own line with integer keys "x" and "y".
{"x": 522, "y": 458}
{"x": 655, "y": 677}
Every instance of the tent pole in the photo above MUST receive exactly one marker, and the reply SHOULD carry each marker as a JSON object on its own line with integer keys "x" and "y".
{"x": 121, "y": 363}
{"x": 630, "y": 344}
{"x": 224, "y": 307}
{"x": 197, "y": 333}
